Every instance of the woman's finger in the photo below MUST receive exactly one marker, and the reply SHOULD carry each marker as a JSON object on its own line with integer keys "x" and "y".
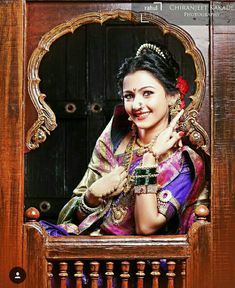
{"x": 176, "y": 119}
{"x": 174, "y": 139}
{"x": 119, "y": 189}
{"x": 180, "y": 143}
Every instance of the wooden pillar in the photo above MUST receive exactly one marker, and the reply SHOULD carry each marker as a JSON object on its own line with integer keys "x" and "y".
{"x": 79, "y": 273}
{"x": 49, "y": 275}
{"x": 94, "y": 268}
{"x": 109, "y": 274}
{"x": 63, "y": 274}
{"x": 125, "y": 267}
{"x": 140, "y": 273}
{"x": 11, "y": 137}
{"x": 223, "y": 151}
{"x": 155, "y": 274}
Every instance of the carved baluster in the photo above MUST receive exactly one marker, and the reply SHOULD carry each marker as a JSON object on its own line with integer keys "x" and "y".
{"x": 125, "y": 267}
{"x": 94, "y": 267}
{"x": 63, "y": 274}
{"x": 170, "y": 274}
{"x": 79, "y": 273}
{"x": 49, "y": 274}
{"x": 183, "y": 273}
{"x": 155, "y": 273}
{"x": 109, "y": 274}
{"x": 140, "y": 274}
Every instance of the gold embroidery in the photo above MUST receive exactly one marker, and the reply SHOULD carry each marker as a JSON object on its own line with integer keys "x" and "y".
{"x": 164, "y": 198}
{"x": 118, "y": 213}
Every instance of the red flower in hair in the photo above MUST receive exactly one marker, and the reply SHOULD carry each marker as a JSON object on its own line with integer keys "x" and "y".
{"x": 183, "y": 87}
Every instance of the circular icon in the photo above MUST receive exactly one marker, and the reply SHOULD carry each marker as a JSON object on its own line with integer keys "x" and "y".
{"x": 17, "y": 275}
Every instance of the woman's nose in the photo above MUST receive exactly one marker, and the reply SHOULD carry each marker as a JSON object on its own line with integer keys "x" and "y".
{"x": 137, "y": 103}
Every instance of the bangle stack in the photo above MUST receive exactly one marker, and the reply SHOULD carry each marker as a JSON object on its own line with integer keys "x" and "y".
{"x": 146, "y": 189}
{"x": 84, "y": 208}
{"x": 145, "y": 180}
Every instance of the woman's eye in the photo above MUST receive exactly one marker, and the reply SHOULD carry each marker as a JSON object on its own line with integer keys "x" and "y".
{"x": 147, "y": 93}
{"x": 128, "y": 96}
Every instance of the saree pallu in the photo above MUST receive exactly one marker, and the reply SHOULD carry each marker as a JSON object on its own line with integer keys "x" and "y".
{"x": 181, "y": 178}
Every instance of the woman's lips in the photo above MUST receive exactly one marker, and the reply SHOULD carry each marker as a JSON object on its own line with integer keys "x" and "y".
{"x": 141, "y": 116}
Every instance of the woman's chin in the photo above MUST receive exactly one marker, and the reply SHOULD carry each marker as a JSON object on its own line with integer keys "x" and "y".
{"x": 143, "y": 125}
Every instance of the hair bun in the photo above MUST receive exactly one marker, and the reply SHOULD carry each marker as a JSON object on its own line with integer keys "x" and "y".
{"x": 162, "y": 52}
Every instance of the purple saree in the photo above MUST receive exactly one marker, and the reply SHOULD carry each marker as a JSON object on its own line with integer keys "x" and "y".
{"x": 181, "y": 177}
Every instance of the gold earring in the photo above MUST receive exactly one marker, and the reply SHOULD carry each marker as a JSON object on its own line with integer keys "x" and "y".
{"x": 175, "y": 108}
{"x": 133, "y": 129}
{"x": 129, "y": 118}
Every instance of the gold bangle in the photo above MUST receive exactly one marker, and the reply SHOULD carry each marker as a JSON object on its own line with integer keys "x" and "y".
{"x": 146, "y": 189}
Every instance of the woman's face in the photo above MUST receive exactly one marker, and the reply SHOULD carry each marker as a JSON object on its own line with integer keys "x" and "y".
{"x": 146, "y": 100}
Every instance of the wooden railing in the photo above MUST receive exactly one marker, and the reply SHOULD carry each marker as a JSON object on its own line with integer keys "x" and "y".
{"x": 103, "y": 261}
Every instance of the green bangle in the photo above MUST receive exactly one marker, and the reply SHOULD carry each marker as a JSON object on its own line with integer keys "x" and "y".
{"x": 145, "y": 171}
{"x": 146, "y": 176}
{"x": 145, "y": 180}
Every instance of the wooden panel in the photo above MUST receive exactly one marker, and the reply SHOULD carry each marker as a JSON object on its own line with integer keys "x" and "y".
{"x": 200, "y": 240}
{"x": 223, "y": 180}
{"x": 112, "y": 247}
{"x": 11, "y": 137}
{"x": 34, "y": 260}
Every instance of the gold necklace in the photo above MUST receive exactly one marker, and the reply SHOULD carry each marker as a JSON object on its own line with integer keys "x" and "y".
{"x": 119, "y": 211}
{"x": 127, "y": 163}
{"x": 145, "y": 147}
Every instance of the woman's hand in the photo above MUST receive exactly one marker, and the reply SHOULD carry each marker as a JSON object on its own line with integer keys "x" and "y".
{"x": 168, "y": 137}
{"x": 165, "y": 141}
{"x": 107, "y": 186}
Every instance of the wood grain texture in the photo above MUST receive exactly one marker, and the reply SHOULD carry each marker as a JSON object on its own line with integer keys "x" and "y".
{"x": 200, "y": 241}
{"x": 223, "y": 180}
{"x": 11, "y": 137}
{"x": 34, "y": 256}
{"x": 112, "y": 247}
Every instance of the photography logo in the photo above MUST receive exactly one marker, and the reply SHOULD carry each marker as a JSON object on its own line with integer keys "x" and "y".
{"x": 17, "y": 275}
{"x": 188, "y": 13}
{"x": 155, "y": 6}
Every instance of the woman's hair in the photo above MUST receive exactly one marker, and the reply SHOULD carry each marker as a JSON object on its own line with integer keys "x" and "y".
{"x": 156, "y": 59}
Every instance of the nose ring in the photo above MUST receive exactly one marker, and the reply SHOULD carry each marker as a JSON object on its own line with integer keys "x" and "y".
{"x": 141, "y": 105}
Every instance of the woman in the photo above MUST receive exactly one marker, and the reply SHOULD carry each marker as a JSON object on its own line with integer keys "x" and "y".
{"x": 141, "y": 179}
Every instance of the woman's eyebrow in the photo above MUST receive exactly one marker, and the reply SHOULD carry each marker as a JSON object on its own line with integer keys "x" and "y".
{"x": 142, "y": 88}
{"x": 149, "y": 86}
{"x": 129, "y": 91}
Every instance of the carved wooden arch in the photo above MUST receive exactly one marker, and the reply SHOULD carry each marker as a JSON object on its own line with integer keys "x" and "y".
{"x": 46, "y": 121}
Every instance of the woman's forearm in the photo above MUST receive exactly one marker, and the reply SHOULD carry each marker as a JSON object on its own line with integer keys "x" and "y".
{"x": 147, "y": 218}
